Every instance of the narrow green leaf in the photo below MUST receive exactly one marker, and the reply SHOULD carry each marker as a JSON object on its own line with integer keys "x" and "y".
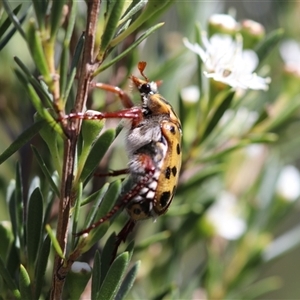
{"x": 110, "y": 198}
{"x": 55, "y": 243}
{"x": 40, "y": 86}
{"x": 132, "y": 10}
{"x": 128, "y": 50}
{"x": 34, "y": 225}
{"x": 37, "y": 103}
{"x": 113, "y": 278}
{"x": 5, "y": 25}
{"x": 110, "y": 26}
{"x": 52, "y": 139}
{"x": 225, "y": 104}
{"x": 152, "y": 7}
{"x": 7, "y": 22}
{"x": 98, "y": 196}
{"x": 25, "y": 285}
{"x": 162, "y": 295}
{"x": 96, "y": 154}
{"x": 13, "y": 18}
{"x": 107, "y": 204}
{"x": 19, "y": 206}
{"x": 55, "y": 17}
{"x": 8, "y": 280}
{"x": 41, "y": 265}
{"x": 65, "y": 56}
{"x": 268, "y": 43}
{"x": 11, "y": 33}
{"x": 22, "y": 139}
{"x": 107, "y": 256}
{"x": 7, "y": 238}
{"x": 13, "y": 260}
{"x": 34, "y": 43}
{"x": 90, "y": 133}
{"x": 40, "y": 8}
{"x": 128, "y": 281}
{"x": 74, "y": 63}
{"x": 96, "y": 275}
{"x": 45, "y": 170}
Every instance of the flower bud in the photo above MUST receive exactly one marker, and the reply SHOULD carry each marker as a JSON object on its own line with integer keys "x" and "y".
{"x": 224, "y": 24}
{"x": 252, "y": 33}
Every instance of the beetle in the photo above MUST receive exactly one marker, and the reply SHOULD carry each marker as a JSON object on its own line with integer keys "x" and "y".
{"x": 153, "y": 146}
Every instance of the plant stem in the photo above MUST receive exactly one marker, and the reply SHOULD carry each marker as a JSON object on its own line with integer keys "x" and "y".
{"x": 67, "y": 198}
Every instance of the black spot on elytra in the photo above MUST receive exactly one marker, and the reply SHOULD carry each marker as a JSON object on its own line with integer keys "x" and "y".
{"x": 178, "y": 149}
{"x": 172, "y": 129}
{"x": 164, "y": 198}
{"x": 174, "y": 171}
{"x": 168, "y": 172}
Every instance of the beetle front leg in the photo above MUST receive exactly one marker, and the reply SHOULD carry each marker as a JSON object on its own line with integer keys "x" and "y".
{"x": 125, "y": 99}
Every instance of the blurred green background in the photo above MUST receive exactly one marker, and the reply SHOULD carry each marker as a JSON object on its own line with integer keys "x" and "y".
{"x": 179, "y": 263}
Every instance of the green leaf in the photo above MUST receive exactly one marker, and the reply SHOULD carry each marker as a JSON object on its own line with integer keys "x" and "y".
{"x": 128, "y": 281}
{"x": 107, "y": 256}
{"x": 268, "y": 44}
{"x": 96, "y": 275}
{"x": 7, "y": 22}
{"x": 22, "y": 139}
{"x": 110, "y": 26}
{"x": 8, "y": 280}
{"x": 40, "y": 86}
{"x": 55, "y": 17}
{"x": 13, "y": 18}
{"x": 37, "y": 103}
{"x": 55, "y": 242}
{"x": 113, "y": 278}
{"x": 107, "y": 204}
{"x": 25, "y": 286}
{"x": 75, "y": 60}
{"x": 7, "y": 238}
{"x": 34, "y": 225}
{"x": 110, "y": 198}
{"x": 19, "y": 206}
{"x": 128, "y": 50}
{"x": 40, "y": 8}
{"x": 90, "y": 130}
{"x": 132, "y": 10}
{"x": 51, "y": 138}
{"x": 41, "y": 265}
{"x": 96, "y": 154}
{"x": 152, "y": 7}
{"x": 45, "y": 171}
{"x": 34, "y": 43}
{"x": 98, "y": 198}
{"x": 12, "y": 31}
{"x": 224, "y": 105}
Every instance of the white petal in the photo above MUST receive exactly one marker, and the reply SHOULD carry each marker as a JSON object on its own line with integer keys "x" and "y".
{"x": 288, "y": 184}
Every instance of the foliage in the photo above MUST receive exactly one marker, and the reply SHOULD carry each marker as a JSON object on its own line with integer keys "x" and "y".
{"x": 220, "y": 228}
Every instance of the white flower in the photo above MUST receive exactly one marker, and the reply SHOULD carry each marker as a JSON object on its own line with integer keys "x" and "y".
{"x": 288, "y": 184}
{"x": 290, "y": 53}
{"x": 225, "y": 217}
{"x": 190, "y": 93}
{"x": 227, "y": 62}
